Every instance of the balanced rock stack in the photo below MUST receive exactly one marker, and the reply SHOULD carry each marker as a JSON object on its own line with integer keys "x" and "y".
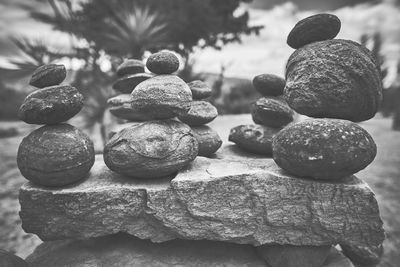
{"x": 270, "y": 113}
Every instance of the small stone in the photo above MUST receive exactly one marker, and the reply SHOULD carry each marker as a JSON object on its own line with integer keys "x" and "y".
{"x": 327, "y": 149}
{"x": 269, "y": 84}
{"x": 162, "y": 97}
{"x": 8, "y": 259}
{"x": 294, "y": 256}
{"x": 55, "y": 155}
{"x": 333, "y": 79}
{"x": 200, "y": 113}
{"x": 163, "y": 63}
{"x": 48, "y": 75}
{"x": 130, "y": 66}
{"x": 368, "y": 255}
{"x": 120, "y": 106}
{"x": 128, "y": 83}
{"x": 315, "y": 28}
{"x": 200, "y": 90}
{"x": 208, "y": 140}
{"x": 253, "y": 138}
{"x": 151, "y": 149}
{"x": 272, "y": 112}
{"x": 51, "y": 105}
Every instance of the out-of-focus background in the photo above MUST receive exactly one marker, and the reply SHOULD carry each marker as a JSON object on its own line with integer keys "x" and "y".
{"x": 225, "y": 43}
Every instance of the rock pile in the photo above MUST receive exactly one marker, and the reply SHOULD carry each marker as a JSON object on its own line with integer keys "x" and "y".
{"x": 56, "y": 154}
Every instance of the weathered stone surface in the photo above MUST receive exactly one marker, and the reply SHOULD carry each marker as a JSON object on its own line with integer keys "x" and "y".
{"x": 269, "y": 84}
{"x": 323, "y": 148}
{"x": 200, "y": 113}
{"x": 130, "y": 66}
{"x": 368, "y": 255}
{"x": 272, "y": 112}
{"x": 333, "y": 79}
{"x": 55, "y": 155}
{"x": 151, "y": 149}
{"x": 208, "y": 140}
{"x": 128, "y": 82}
{"x": 315, "y": 28}
{"x": 120, "y": 106}
{"x": 10, "y": 260}
{"x": 163, "y": 63}
{"x": 51, "y": 105}
{"x": 200, "y": 90}
{"x": 48, "y": 75}
{"x": 162, "y": 97}
{"x": 230, "y": 198}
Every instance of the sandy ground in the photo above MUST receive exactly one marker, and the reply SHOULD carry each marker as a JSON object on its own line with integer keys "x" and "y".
{"x": 383, "y": 175}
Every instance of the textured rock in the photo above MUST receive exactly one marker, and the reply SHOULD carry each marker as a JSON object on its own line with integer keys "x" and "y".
{"x": 130, "y": 66}
{"x": 48, "y": 75}
{"x": 368, "y": 255}
{"x": 253, "y": 138}
{"x": 163, "y": 63}
{"x": 208, "y": 140}
{"x": 151, "y": 149}
{"x": 272, "y": 112}
{"x": 10, "y": 260}
{"x": 315, "y": 28}
{"x": 269, "y": 84}
{"x": 55, "y": 155}
{"x": 120, "y": 106}
{"x": 234, "y": 198}
{"x": 323, "y": 148}
{"x": 200, "y": 113}
{"x": 127, "y": 83}
{"x": 162, "y": 97}
{"x": 51, "y": 105}
{"x": 200, "y": 90}
{"x": 333, "y": 79}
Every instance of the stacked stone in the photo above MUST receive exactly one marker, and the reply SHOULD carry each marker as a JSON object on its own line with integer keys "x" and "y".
{"x": 270, "y": 113}
{"x": 56, "y": 154}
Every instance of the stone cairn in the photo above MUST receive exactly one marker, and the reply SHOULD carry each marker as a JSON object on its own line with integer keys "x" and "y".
{"x": 232, "y": 209}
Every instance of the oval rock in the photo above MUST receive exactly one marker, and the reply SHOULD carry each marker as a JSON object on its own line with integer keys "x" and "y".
{"x": 120, "y": 106}
{"x": 163, "y": 63}
{"x": 128, "y": 83}
{"x": 200, "y": 90}
{"x": 271, "y": 112}
{"x": 209, "y": 141}
{"x": 48, "y": 75}
{"x": 200, "y": 113}
{"x": 269, "y": 84}
{"x": 130, "y": 66}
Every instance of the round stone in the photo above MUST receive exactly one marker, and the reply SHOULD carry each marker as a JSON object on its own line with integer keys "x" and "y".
{"x": 130, "y": 66}
{"x": 151, "y": 149}
{"x": 368, "y": 255}
{"x": 127, "y": 83}
{"x": 55, "y": 155}
{"x": 48, "y": 75}
{"x": 200, "y": 90}
{"x": 269, "y": 84}
{"x": 333, "y": 79}
{"x": 163, "y": 63}
{"x": 208, "y": 140}
{"x": 162, "y": 97}
{"x": 200, "y": 113}
{"x": 120, "y": 106}
{"x": 253, "y": 138}
{"x": 8, "y": 259}
{"x": 326, "y": 149}
{"x": 272, "y": 112}
{"x": 51, "y": 105}
{"x": 315, "y": 28}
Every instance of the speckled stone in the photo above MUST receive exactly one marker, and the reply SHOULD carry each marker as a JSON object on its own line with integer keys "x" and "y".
{"x": 8, "y": 259}
{"x": 55, "y": 155}
{"x": 151, "y": 149}
{"x": 208, "y": 140}
{"x": 272, "y": 112}
{"x": 130, "y": 66}
{"x": 162, "y": 97}
{"x": 253, "y": 138}
{"x": 163, "y": 63}
{"x": 48, "y": 75}
{"x": 315, "y": 28}
{"x": 327, "y": 149}
{"x": 364, "y": 255}
{"x": 200, "y": 113}
{"x": 200, "y": 90}
{"x": 128, "y": 83}
{"x": 269, "y": 84}
{"x": 51, "y": 105}
{"x": 333, "y": 79}
{"x": 120, "y": 106}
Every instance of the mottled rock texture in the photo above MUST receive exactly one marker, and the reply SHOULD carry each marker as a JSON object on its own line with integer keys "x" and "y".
{"x": 253, "y": 138}
{"x": 323, "y": 148}
{"x": 200, "y": 90}
{"x": 48, "y": 75}
{"x": 333, "y": 79}
{"x": 269, "y": 84}
{"x": 120, "y": 106}
{"x": 151, "y": 149}
{"x": 130, "y": 66}
{"x": 162, "y": 97}
{"x": 315, "y": 28}
{"x": 364, "y": 255}
{"x": 51, "y": 105}
{"x": 247, "y": 200}
{"x": 208, "y": 140}
{"x": 55, "y": 155}
{"x": 163, "y": 63}
{"x": 272, "y": 112}
{"x": 128, "y": 82}
{"x": 8, "y": 259}
{"x": 200, "y": 113}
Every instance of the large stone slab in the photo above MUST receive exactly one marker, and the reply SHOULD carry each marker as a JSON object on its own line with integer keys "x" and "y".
{"x": 234, "y": 197}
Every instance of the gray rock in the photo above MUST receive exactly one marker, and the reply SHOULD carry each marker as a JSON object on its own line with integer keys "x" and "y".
{"x": 163, "y": 63}
{"x": 200, "y": 113}
{"x": 365, "y": 255}
{"x": 247, "y": 200}
{"x": 120, "y": 106}
{"x": 337, "y": 259}
{"x": 8, "y": 259}
{"x": 130, "y": 66}
{"x": 48, "y": 75}
{"x": 208, "y": 140}
{"x": 269, "y": 84}
{"x": 272, "y": 112}
{"x": 128, "y": 83}
{"x": 200, "y": 90}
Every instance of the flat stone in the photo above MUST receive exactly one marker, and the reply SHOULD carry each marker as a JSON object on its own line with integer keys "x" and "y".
{"x": 128, "y": 82}
{"x": 200, "y": 90}
{"x": 272, "y": 112}
{"x": 130, "y": 66}
{"x": 232, "y": 197}
{"x": 200, "y": 113}
{"x": 48, "y": 75}
{"x": 120, "y": 106}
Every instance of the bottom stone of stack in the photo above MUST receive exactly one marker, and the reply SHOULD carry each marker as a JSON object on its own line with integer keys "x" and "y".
{"x": 124, "y": 250}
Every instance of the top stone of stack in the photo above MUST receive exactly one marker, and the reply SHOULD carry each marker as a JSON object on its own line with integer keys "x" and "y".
{"x": 163, "y": 63}
{"x": 48, "y": 75}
